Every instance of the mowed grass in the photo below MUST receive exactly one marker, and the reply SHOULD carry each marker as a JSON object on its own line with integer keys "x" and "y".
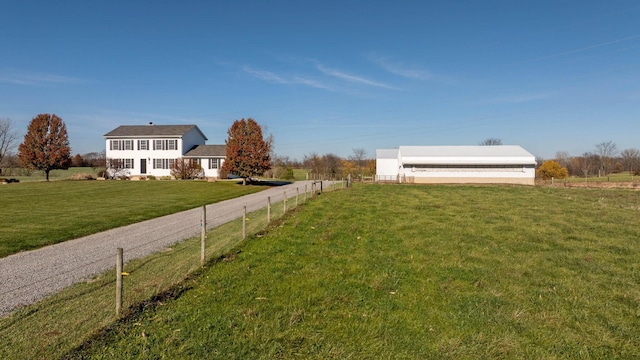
{"x": 37, "y": 214}
{"x": 618, "y": 177}
{"x": 395, "y": 271}
{"x": 54, "y": 175}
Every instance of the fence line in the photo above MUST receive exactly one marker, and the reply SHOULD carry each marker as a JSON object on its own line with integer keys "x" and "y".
{"x": 207, "y": 242}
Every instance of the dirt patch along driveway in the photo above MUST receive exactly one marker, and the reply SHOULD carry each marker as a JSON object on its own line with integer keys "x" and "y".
{"x": 29, "y": 276}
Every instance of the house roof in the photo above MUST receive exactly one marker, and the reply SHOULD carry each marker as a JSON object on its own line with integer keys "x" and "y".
{"x": 152, "y": 131}
{"x": 207, "y": 151}
{"x": 465, "y": 155}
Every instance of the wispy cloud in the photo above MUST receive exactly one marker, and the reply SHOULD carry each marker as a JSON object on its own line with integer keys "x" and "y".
{"x": 352, "y": 78}
{"x": 317, "y": 82}
{"x": 284, "y": 79}
{"x": 516, "y": 99}
{"x": 401, "y": 69}
{"x": 264, "y": 75}
{"x": 36, "y": 79}
{"x": 312, "y": 83}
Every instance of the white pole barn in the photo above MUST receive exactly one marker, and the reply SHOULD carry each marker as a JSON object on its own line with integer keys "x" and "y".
{"x": 494, "y": 164}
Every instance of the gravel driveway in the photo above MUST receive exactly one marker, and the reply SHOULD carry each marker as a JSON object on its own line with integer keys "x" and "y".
{"x": 29, "y": 276}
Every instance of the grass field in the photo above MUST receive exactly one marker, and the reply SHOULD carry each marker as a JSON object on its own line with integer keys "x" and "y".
{"x": 36, "y": 214}
{"x": 54, "y": 175}
{"x": 618, "y": 177}
{"x": 454, "y": 272}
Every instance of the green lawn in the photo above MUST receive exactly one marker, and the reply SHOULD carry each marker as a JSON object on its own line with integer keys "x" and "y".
{"x": 36, "y": 214}
{"x": 415, "y": 272}
{"x": 619, "y": 177}
{"x": 54, "y": 175}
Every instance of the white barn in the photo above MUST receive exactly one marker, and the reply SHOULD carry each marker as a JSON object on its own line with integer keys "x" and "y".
{"x": 497, "y": 164}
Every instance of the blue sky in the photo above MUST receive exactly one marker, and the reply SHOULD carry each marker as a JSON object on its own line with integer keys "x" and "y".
{"x": 330, "y": 76}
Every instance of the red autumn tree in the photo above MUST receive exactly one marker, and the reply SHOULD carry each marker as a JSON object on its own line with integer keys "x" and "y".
{"x": 46, "y": 145}
{"x": 248, "y": 153}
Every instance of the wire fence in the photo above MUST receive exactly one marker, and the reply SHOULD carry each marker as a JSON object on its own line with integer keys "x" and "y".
{"x": 89, "y": 306}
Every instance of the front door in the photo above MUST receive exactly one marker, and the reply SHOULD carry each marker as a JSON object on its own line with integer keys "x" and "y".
{"x": 143, "y": 166}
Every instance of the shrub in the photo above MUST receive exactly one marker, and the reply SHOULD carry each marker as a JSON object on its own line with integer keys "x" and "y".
{"x": 288, "y": 174}
{"x": 551, "y": 169}
{"x": 186, "y": 169}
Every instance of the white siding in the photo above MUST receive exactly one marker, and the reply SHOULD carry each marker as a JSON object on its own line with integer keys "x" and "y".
{"x": 183, "y": 144}
{"x": 387, "y": 164}
{"x": 210, "y": 173}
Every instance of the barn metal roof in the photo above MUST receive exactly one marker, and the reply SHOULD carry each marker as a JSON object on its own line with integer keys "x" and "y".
{"x": 386, "y": 153}
{"x": 460, "y": 155}
{"x": 466, "y": 155}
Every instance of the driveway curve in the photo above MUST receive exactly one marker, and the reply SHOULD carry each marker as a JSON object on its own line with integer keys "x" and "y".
{"x": 30, "y": 276}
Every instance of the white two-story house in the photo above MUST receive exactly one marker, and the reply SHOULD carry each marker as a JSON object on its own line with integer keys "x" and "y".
{"x": 144, "y": 150}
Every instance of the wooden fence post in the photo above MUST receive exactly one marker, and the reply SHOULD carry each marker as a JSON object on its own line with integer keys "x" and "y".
{"x": 284, "y": 202}
{"x": 119, "y": 281}
{"x": 244, "y": 223}
{"x": 268, "y": 209}
{"x": 305, "y": 193}
{"x": 297, "y": 193}
{"x": 203, "y": 235}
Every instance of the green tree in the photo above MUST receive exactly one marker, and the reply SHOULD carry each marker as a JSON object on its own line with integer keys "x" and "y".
{"x": 46, "y": 145}
{"x": 551, "y": 169}
{"x": 248, "y": 153}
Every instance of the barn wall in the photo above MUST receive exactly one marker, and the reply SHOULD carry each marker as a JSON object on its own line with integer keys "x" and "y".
{"x": 524, "y": 175}
{"x": 387, "y": 168}
{"x": 473, "y": 180}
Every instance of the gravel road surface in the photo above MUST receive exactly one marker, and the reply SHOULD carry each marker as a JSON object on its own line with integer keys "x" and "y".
{"x": 29, "y": 276}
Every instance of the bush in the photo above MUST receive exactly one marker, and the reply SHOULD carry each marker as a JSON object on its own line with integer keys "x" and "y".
{"x": 551, "y": 169}
{"x": 288, "y": 174}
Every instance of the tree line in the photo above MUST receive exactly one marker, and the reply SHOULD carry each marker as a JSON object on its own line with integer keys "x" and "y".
{"x": 250, "y": 154}
{"x": 605, "y": 159}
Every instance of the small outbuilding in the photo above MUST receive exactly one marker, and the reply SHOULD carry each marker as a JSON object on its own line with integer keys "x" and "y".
{"x": 493, "y": 164}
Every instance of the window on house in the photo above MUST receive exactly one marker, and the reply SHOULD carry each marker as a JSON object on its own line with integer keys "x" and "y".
{"x": 165, "y": 144}
{"x": 143, "y": 144}
{"x": 121, "y": 145}
{"x": 163, "y": 163}
{"x": 121, "y": 163}
{"x": 214, "y": 163}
